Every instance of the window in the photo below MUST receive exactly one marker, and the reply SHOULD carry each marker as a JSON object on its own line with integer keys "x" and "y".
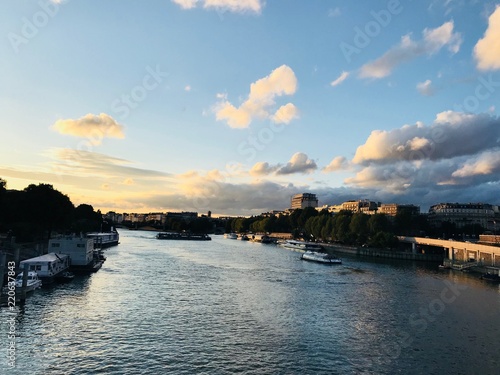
{"x": 56, "y": 244}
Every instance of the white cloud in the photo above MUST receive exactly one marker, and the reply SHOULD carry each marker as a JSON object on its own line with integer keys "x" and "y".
{"x": 425, "y": 88}
{"x": 485, "y": 164}
{"x": 337, "y": 164}
{"x": 285, "y": 114}
{"x": 236, "y": 6}
{"x": 334, "y": 12}
{"x": 452, "y": 134}
{"x": 187, "y": 88}
{"x": 93, "y": 127}
{"x": 261, "y": 100}
{"x": 432, "y": 42}
{"x": 299, "y": 163}
{"x": 262, "y": 168}
{"x": 487, "y": 49}
{"x": 343, "y": 76}
{"x": 186, "y": 4}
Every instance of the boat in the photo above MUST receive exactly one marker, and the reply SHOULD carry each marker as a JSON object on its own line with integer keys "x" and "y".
{"x": 104, "y": 239}
{"x": 492, "y": 274}
{"x": 81, "y": 251}
{"x": 491, "y": 277}
{"x": 48, "y": 266}
{"x": 231, "y": 236}
{"x": 262, "y": 238}
{"x": 320, "y": 257}
{"x": 96, "y": 266}
{"x": 32, "y": 282}
{"x": 183, "y": 236}
{"x": 244, "y": 237}
{"x": 301, "y": 245}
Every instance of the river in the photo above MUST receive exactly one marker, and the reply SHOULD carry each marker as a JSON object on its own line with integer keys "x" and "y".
{"x": 234, "y": 307}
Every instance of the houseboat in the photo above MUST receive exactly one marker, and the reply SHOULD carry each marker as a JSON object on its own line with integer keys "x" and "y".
{"x": 104, "y": 239}
{"x": 83, "y": 256}
{"x": 48, "y": 266}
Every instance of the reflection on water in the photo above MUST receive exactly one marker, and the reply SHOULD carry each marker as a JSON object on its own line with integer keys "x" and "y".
{"x": 225, "y": 307}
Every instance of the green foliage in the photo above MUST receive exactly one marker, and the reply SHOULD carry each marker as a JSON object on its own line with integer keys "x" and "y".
{"x": 38, "y": 210}
{"x": 85, "y": 219}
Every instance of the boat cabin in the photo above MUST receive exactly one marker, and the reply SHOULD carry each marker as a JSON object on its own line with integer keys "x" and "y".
{"x": 79, "y": 249}
{"x": 47, "y": 266}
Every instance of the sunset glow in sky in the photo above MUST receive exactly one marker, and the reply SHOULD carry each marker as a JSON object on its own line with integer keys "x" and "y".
{"x": 234, "y": 106}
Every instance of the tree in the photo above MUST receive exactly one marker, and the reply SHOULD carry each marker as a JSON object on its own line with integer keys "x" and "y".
{"x": 358, "y": 227}
{"x": 341, "y": 222}
{"x": 48, "y": 209}
{"x": 378, "y": 223}
{"x": 85, "y": 219}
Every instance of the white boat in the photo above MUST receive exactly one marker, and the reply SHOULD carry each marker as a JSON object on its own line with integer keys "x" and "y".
{"x": 32, "y": 281}
{"x": 301, "y": 245}
{"x": 47, "y": 266}
{"x": 320, "y": 257}
{"x": 231, "y": 236}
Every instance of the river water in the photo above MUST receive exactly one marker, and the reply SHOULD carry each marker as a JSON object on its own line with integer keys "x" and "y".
{"x": 233, "y": 307}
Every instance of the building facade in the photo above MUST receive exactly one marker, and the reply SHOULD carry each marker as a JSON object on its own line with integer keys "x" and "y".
{"x": 463, "y": 214}
{"x": 362, "y": 205}
{"x": 304, "y": 200}
{"x": 392, "y": 209}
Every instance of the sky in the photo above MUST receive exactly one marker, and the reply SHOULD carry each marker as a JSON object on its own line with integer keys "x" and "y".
{"x": 235, "y": 106}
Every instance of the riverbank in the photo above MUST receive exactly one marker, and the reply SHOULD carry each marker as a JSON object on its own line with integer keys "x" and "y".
{"x": 381, "y": 253}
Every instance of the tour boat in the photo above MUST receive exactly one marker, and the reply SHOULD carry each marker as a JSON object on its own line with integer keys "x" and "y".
{"x": 301, "y": 245}
{"x": 320, "y": 257}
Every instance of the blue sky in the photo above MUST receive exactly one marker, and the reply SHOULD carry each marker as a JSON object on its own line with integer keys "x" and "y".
{"x": 234, "y": 106}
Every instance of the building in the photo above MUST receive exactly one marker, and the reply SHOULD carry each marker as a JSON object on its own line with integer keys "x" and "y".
{"x": 464, "y": 214}
{"x": 184, "y": 216}
{"x": 304, "y": 200}
{"x": 362, "y": 205}
{"x": 392, "y": 209}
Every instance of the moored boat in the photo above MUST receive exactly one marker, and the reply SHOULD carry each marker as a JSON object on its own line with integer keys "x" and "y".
{"x": 48, "y": 266}
{"x": 320, "y": 257}
{"x": 231, "y": 236}
{"x": 32, "y": 282}
{"x": 301, "y": 245}
{"x": 492, "y": 274}
{"x": 183, "y": 236}
{"x": 104, "y": 239}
